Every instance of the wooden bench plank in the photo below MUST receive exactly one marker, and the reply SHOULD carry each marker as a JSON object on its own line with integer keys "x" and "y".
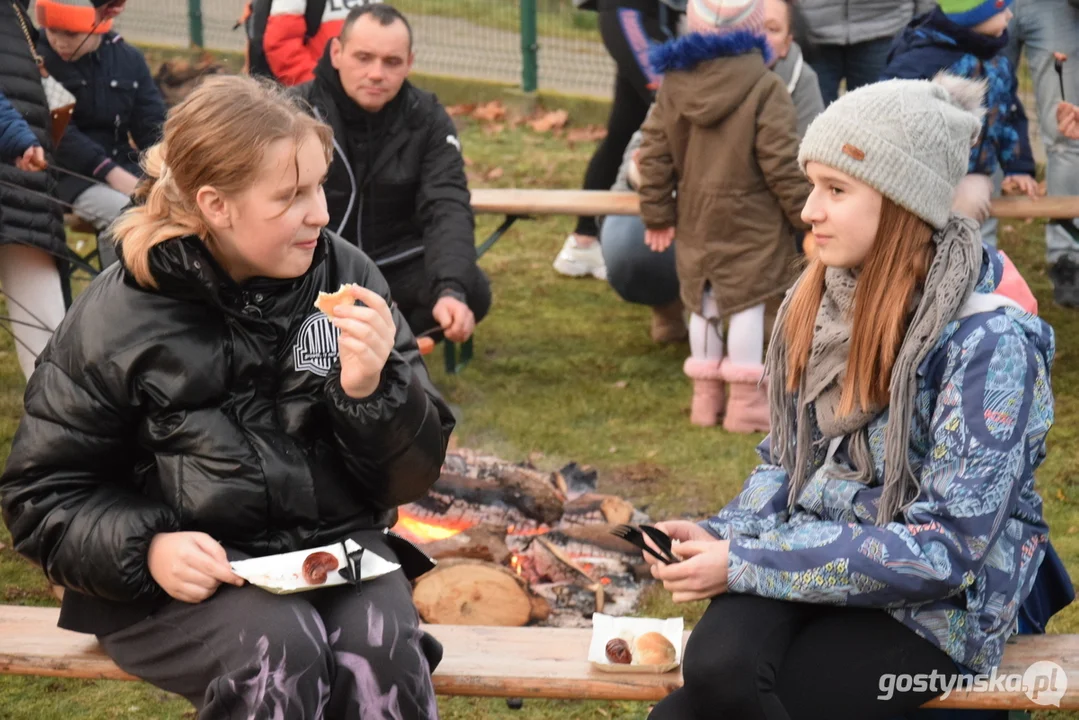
{"x": 498, "y": 662}
{"x": 512, "y": 201}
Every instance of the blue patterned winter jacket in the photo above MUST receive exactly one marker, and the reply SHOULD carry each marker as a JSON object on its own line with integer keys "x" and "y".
{"x": 932, "y": 43}
{"x": 959, "y": 563}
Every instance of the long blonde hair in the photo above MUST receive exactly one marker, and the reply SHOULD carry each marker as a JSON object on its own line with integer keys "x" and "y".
{"x": 216, "y": 137}
{"x": 894, "y": 271}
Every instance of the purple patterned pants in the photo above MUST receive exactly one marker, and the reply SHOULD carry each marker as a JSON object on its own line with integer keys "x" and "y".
{"x": 247, "y": 654}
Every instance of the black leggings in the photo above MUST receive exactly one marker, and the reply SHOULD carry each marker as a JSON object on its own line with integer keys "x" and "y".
{"x": 751, "y": 658}
{"x": 627, "y": 34}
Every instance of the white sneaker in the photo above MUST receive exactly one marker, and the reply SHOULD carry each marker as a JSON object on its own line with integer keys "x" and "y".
{"x": 577, "y": 261}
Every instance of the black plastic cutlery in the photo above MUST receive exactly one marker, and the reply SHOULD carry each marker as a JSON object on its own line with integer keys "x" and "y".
{"x": 636, "y": 537}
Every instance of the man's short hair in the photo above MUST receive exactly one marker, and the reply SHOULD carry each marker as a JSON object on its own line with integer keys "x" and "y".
{"x": 383, "y": 13}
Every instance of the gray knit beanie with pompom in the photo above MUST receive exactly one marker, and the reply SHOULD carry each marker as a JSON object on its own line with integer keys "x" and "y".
{"x": 909, "y": 139}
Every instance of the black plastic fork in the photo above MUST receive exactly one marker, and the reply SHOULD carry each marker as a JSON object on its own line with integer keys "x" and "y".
{"x": 634, "y": 536}
{"x": 662, "y": 541}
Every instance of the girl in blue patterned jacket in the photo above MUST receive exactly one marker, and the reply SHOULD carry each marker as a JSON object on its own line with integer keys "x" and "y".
{"x": 893, "y": 527}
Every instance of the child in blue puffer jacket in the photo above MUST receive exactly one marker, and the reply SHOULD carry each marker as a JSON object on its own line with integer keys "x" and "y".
{"x": 18, "y": 144}
{"x": 967, "y": 38}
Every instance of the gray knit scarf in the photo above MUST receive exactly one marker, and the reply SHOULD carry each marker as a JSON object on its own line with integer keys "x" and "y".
{"x": 951, "y": 279}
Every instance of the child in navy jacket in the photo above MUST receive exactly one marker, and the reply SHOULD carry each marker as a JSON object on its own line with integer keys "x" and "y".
{"x": 967, "y": 38}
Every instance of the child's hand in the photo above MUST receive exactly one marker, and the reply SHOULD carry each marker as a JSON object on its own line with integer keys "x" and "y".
{"x": 1068, "y": 120}
{"x": 679, "y": 531}
{"x": 189, "y": 566}
{"x": 701, "y": 575}
{"x": 1020, "y": 184}
{"x": 659, "y": 240}
{"x": 33, "y": 160}
{"x": 367, "y": 335}
{"x": 633, "y": 172}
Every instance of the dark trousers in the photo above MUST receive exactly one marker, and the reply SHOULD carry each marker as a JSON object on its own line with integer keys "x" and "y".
{"x": 246, "y": 653}
{"x": 751, "y": 658}
{"x": 627, "y": 34}
{"x": 860, "y": 64}
{"x": 411, "y": 290}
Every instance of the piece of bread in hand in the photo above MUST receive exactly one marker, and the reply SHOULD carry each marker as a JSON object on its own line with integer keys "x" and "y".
{"x": 326, "y": 302}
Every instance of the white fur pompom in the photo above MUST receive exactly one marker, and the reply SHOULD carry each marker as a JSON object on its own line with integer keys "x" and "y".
{"x": 965, "y": 94}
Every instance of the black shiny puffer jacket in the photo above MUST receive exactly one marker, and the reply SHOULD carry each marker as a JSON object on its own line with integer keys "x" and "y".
{"x": 208, "y": 406}
{"x": 29, "y": 214}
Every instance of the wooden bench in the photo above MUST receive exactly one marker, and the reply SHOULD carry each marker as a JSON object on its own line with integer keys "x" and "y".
{"x": 516, "y": 204}
{"x": 523, "y": 203}
{"x": 497, "y": 662}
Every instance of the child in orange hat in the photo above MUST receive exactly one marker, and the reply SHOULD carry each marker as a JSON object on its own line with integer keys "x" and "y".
{"x": 118, "y": 111}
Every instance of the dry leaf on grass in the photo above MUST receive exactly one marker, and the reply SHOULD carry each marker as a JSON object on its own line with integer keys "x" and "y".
{"x": 548, "y": 121}
{"x": 589, "y": 133}
{"x": 489, "y": 112}
{"x": 463, "y": 109}
{"x": 494, "y": 173}
{"x": 494, "y": 128}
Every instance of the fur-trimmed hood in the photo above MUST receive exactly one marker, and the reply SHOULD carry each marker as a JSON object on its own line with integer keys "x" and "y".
{"x": 688, "y": 51}
{"x": 707, "y": 75}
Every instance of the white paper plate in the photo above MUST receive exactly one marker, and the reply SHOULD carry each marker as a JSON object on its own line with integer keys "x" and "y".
{"x": 607, "y": 627}
{"x": 283, "y": 574}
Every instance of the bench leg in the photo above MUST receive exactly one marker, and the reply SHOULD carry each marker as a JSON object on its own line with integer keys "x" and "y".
{"x": 453, "y": 365}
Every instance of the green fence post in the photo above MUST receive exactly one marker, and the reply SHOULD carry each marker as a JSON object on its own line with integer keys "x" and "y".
{"x": 194, "y": 22}
{"x": 529, "y": 47}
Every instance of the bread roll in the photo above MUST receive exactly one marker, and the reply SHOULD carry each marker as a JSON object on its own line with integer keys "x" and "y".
{"x": 652, "y": 648}
{"x": 326, "y": 302}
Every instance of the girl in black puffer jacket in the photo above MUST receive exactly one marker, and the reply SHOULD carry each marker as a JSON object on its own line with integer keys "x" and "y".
{"x": 195, "y": 408}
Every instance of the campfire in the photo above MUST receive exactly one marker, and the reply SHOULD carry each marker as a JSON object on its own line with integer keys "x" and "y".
{"x": 518, "y": 546}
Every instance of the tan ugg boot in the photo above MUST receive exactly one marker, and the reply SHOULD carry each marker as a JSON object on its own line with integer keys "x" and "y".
{"x": 707, "y": 406}
{"x": 747, "y": 398}
{"x": 669, "y": 323}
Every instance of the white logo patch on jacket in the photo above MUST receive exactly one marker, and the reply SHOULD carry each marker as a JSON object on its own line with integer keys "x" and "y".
{"x": 452, "y": 140}
{"x": 316, "y": 345}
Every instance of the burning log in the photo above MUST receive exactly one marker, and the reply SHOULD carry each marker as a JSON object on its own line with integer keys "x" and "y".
{"x": 592, "y": 508}
{"x": 511, "y": 498}
{"x": 473, "y": 592}
{"x": 598, "y": 536}
{"x": 484, "y": 542}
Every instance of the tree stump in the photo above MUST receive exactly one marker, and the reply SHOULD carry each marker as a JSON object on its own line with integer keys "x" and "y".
{"x": 474, "y": 592}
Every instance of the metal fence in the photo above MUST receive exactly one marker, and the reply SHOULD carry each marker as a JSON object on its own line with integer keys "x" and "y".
{"x": 536, "y": 44}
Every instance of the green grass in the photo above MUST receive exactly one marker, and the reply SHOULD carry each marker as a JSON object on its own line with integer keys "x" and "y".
{"x": 563, "y": 368}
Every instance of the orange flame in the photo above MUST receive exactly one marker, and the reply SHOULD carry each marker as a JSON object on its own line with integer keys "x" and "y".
{"x": 515, "y": 563}
{"x": 424, "y": 531}
{"x": 527, "y": 532}
{"x": 604, "y": 581}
